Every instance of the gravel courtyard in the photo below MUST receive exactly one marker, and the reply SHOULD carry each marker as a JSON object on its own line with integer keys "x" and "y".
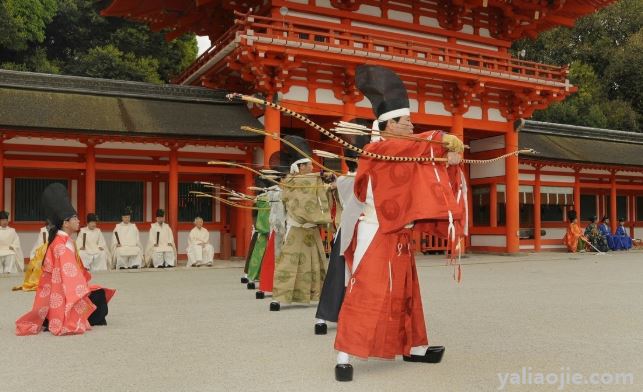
{"x": 201, "y": 330}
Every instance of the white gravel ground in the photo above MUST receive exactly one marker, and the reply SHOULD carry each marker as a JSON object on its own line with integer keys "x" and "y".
{"x": 201, "y": 330}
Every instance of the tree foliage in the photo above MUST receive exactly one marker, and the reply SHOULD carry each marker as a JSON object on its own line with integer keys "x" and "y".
{"x": 605, "y": 53}
{"x": 71, "y": 37}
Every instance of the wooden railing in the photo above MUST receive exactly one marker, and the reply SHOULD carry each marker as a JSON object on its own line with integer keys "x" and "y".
{"x": 371, "y": 44}
{"x": 431, "y": 243}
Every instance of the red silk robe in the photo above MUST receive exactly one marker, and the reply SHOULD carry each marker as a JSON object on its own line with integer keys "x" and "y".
{"x": 382, "y": 313}
{"x": 63, "y": 292}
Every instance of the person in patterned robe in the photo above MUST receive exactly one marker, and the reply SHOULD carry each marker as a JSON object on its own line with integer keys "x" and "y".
{"x": 65, "y": 303}
{"x": 594, "y": 235}
{"x": 300, "y": 268}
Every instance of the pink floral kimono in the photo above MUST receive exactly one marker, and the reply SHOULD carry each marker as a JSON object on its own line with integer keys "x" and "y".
{"x": 63, "y": 293}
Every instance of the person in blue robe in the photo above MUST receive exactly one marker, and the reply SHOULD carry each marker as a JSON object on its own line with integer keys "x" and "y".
{"x": 606, "y": 232}
{"x": 622, "y": 240}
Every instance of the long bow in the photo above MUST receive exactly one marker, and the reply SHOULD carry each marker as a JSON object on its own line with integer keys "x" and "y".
{"x": 348, "y": 145}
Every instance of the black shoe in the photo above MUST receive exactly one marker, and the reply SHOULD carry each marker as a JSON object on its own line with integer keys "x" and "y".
{"x": 433, "y": 355}
{"x": 260, "y": 295}
{"x": 274, "y": 306}
{"x": 120, "y": 268}
{"x": 321, "y": 329}
{"x": 244, "y": 280}
{"x": 251, "y": 285}
{"x": 169, "y": 266}
{"x": 134, "y": 267}
{"x": 344, "y": 372}
{"x": 161, "y": 266}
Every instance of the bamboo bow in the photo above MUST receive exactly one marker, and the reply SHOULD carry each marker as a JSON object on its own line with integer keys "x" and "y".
{"x": 348, "y": 145}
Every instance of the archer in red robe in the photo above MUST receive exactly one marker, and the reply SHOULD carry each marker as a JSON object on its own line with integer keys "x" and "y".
{"x": 382, "y": 314}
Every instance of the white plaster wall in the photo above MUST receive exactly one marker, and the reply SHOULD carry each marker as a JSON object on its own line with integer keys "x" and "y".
{"x": 558, "y": 169}
{"x": 554, "y": 233}
{"x": 44, "y": 142}
{"x": 431, "y": 107}
{"x": 474, "y": 112}
{"x": 400, "y": 16}
{"x": 476, "y": 45}
{"x": 381, "y": 29}
{"x": 162, "y": 195}
{"x": 488, "y": 240}
{"x": 323, "y": 95}
{"x": 307, "y": 15}
{"x": 212, "y": 149}
{"x": 134, "y": 146}
{"x": 546, "y": 177}
{"x": 297, "y": 93}
{"x": 495, "y": 115}
{"x": 493, "y": 169}
{"x": 369, "y": 10}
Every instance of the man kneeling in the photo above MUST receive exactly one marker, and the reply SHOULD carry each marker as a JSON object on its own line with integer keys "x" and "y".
{"x": 200, "y": 252}
{"x": 160, "y": 251}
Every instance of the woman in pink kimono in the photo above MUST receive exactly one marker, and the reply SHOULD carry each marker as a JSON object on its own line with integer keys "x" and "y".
{"x": 65, "y": 303}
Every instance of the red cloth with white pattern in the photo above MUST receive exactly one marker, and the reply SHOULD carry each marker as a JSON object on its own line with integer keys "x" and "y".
{"x": 63, "y": 292}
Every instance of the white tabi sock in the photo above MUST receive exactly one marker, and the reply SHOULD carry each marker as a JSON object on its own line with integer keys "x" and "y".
{"x": 320, "y": 321}
{"x": 419, "y": 350}
{"x": 343, "y": 358}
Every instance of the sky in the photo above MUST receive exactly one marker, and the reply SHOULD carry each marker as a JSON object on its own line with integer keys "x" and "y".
{"x": 204, "y": 44}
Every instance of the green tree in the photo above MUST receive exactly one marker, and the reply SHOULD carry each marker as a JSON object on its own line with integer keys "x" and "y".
{"x": 109, "y": 62}
{"x": 605, "y": 51}
{"x": 77, "y": 40}
{"x": 23, "y": 22}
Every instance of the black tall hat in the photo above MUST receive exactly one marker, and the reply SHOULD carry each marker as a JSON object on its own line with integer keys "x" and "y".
{"x": 385, "y": 90}
{"x": 127, "y": 211}
{"x": 56, "y": 204}
{"x": 293, "y": 156}
{"x": 357, "y": 140}
{"x": 571, "y": 215}
{"x": 91, "y": 217}
{"x": 160, "y": 213}
{"x": 4, "y": 215}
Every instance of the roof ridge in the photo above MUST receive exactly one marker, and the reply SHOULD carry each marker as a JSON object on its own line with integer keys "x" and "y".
{"x": 109, "y": 87}
{"x": 584, "y": 132}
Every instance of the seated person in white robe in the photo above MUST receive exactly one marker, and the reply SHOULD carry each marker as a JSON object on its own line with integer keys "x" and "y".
{"x": 41, "y": 239}
{"x": 11, "y": 258}
{"x": 127, "y": 250}
{"x": 160, "y": 250}
{"x": 200, "y": 252}
{"x": 91, "y": 245}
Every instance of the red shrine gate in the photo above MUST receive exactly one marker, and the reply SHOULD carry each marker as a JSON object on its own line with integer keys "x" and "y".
{"x": 453, "y": 56}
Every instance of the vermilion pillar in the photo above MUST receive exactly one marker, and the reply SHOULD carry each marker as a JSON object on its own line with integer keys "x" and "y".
{"x": 577, "y": 194}
{"x": 272, "y": 123}
{"x": 511, "y": 176}
{"x": 90, "y": 178}
{"x": 613, "y": 216}
{"x": 537, "y": 217}
{"x": 173, "y": 192}
{"x": 457, "y": 127}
